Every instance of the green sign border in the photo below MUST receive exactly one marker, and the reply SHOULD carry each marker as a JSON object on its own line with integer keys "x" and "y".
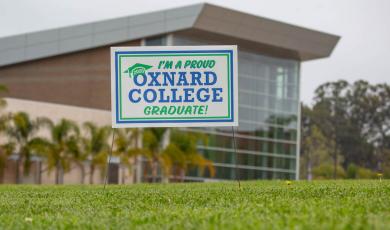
{"x": 167, "y": 55}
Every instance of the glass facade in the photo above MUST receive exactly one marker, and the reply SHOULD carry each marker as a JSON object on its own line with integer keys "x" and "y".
{"x": 267, "y": 135}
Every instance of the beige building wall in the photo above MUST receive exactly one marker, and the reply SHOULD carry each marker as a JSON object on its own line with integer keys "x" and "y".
{"x": 58, "y": 111}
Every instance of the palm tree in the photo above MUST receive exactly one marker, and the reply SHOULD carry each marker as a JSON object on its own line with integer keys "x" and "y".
{"x": 152, "y": 141}
{"x": 182, "y": 154}
{"x": 21, "y": 130}
{"x": 6, "y": 149}
{"x": 78, "y": 155}
{"x": 3, "y": 103}
{"x": 96, "y": 147}
{"x": 128, "y": 149}
{"x": 61, "y": 150}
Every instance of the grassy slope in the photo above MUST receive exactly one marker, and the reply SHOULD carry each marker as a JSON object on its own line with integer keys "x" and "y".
{"x": 303, "y": 205}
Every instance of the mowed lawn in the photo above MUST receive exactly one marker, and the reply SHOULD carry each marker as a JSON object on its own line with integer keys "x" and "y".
{"x": 257, "y": 205}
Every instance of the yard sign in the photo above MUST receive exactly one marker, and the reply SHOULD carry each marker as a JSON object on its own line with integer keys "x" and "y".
{"x": 171, "y": 86}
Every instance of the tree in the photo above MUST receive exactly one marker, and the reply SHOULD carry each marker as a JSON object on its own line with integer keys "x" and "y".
{"x": 21, "y": 130}
{"x": 174, "y": 151}
{"x": 3, "y": 103}
{"x": 96, "y": 147}
{"x": 74, "y": 146}
{"x": 181, "y": 154}
{"x": 316, "y": 148}
{"x": 128, "y": 149}
{"x": 331, "y": 115}
{"x": 356, "y": 117}
{"x": 357, "y": 148}
{"x": 377, "y": 104}
{"x": 62, "y": 148}
{"x": 153, "y": 141}
{"x": 6, "y": 149}
{"x": 315, "y": 151}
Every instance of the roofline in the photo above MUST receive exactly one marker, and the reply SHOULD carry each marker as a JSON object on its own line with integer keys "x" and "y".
{"x": 206, "y": 4}
{"x": 306, "y": 44}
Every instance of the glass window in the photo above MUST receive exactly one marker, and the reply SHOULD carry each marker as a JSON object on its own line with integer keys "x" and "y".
{"x": 156, "y": 41}
{"x": 268, "y": 109}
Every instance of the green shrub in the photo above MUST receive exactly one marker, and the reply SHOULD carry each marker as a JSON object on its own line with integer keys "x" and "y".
{"x": 364, "y": 173}
{"x": 386, "y": 172}
{"x": 352, "y": 171}
{"x": 325, "y": 171}
{"x": 356, "y": 172}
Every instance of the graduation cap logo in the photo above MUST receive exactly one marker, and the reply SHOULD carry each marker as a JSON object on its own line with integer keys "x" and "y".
{"x": 137, "y": 69}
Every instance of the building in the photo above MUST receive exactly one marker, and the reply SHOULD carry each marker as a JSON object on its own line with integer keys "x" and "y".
{"x": 71, "y": 66}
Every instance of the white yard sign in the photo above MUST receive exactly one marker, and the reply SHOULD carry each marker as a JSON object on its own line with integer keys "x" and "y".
{"x": 171, "y": 86}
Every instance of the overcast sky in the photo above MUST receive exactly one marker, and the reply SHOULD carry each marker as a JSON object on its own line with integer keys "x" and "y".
{"x": 364, "y": 25}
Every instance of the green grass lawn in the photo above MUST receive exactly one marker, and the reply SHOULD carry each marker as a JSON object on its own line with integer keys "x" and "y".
{"x": 257, "y": 205}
